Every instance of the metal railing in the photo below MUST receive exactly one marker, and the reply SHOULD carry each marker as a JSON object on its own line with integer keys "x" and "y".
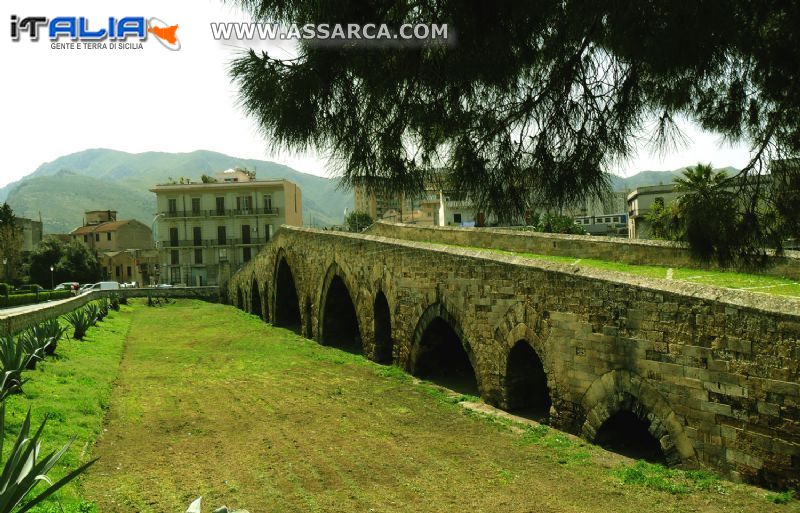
{"x": 174, "y": 214}
{"x": 207, "y": 243}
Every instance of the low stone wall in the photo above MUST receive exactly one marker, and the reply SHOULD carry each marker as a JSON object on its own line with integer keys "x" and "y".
{"x": 16, "y": 322}
{"x": 629, "y": 251}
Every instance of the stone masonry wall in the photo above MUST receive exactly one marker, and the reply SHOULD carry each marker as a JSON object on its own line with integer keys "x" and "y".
{"x": 629, "y": 251}
{"x": 715, "y": 372}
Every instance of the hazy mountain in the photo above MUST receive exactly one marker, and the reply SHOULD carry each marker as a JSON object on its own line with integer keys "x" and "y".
{"x": 100, "y": 179}
{"x": 645, "y": 178}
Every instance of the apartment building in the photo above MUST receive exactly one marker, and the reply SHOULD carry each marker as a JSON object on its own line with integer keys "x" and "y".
{"x": 205, "y": 231}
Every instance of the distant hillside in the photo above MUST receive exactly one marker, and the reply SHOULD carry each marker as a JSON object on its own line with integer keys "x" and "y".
{"x": 645, "y": 178}
{"x": 99, "y": 179}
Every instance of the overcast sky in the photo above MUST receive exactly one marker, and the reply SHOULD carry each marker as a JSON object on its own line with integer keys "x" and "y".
{"x": 57, "y": 102}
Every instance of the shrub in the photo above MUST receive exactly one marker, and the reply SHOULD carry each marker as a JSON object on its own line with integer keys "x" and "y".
{"x": 13, "y": 360}
{"x": 6, "y": 288}
{"x": 102, "y": 308}
{"x": 22, "y": 472}
{"x": 81, "y": 320}
{"x": 114, "y": 302}
{"x": 30, "y": 298}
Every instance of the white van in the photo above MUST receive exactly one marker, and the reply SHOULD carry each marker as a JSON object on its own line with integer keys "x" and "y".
{"x": 101, "y": 285}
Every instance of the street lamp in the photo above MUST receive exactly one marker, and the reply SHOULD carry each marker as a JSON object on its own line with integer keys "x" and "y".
{"x": 52, "y": 283}
{"x": 5, "y": 268}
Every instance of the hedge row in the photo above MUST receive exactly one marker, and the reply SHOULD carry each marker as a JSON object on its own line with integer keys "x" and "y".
{"x": 27, "y": 299}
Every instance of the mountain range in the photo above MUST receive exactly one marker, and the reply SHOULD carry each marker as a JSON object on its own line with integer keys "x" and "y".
{"x": 100, "y": 179}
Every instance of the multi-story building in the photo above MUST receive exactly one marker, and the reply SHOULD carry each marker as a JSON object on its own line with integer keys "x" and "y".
{"x": 26, "y": 235}
{"x": 641, "y": 201}
{"x": 102, "y": 232}
{"x": 31, "y": 233}
{"x": 205, "y": 231}
{"x": 124, "y": 248}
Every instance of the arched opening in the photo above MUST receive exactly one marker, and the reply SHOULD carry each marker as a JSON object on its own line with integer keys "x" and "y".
{"x": 384, "y": 345}
{"x": 627, "y": 434}
{"x": 339, "y": 321}
{"x": 526, "y": 383}
{"x": 255, "y": 300}
{"x": 239, "y": 300}
{"x": 287, "y": 306}
{"x": 441, "y": 358}
{"x": 309, "y": 330}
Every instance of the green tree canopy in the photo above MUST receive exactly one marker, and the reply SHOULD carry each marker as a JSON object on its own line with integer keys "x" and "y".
{"x": 358, "y": 221}
{"x": 530, "y": 102}
{"x": 71, "y": 262}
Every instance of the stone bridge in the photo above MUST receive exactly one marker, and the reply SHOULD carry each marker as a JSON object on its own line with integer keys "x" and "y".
{"x": 675, "y": 372}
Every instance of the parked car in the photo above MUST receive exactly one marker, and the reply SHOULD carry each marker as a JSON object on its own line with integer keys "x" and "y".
{"x": 31, "y": 288}
{"x": 100, "y": 285}
{"x": 67, "y": 285}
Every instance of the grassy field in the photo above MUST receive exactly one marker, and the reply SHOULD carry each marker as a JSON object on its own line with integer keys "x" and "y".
{"x": 211, "y": 401}
{"x": 758, "y": 283}
{"x": 72, "y": 389}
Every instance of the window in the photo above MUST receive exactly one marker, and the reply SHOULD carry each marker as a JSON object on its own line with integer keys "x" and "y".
{"x": 108, "y": 236}
{"x": 246, "y": 254}
{"x": 220, "y": 206}
{"x": 97, "y": 237}
{"x": 267, "y": 203}
{"x": 195, "y": 205}
{"x": 245, "y": 234}
{"x": 173, "y": 236}
{"x": 221, "y": 236}
{"x": 172, "y": 205}
{"x": 198, "y": 256}
{"x": 244, "y": 203}
{"x": 197, "y": 236}
{"x": 118, "y": 271}
{"x": 85, "y": 238}
{"x": 173, "y": 257}
{"x": 129, "y": 271}
{"x": 457, "y": 218}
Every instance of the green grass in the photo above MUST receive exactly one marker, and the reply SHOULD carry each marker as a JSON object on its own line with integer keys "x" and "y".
{"x": 757, "y": 283}
{"x": 676, "y": 482}
{"x": 212, "y": 401}
{"x": 72, "y": 389}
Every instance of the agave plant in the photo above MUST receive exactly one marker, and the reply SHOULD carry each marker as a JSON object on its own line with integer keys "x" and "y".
{"x": 35, "y": 343}
{"x": 93, "y": 311}
{"x": 102, "y": 309}
{"x": 24, "y": 469}
{"x": 114, "y": 302}
{"x": 14, "y": 358}
{"x": 81, "y": 321}
{"x": 54, "y": 331}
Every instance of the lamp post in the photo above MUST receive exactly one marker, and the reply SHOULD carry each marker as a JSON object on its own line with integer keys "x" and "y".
{"x": 5, "y": 268}
{"x": 52, "y": 283}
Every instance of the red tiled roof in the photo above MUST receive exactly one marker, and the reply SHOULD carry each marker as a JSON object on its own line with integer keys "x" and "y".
{"x": 109, "y": 226}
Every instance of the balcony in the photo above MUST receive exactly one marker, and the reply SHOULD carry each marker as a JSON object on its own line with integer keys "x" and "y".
{"x": 186, "y": 214}
{"x": 209, "y": 243}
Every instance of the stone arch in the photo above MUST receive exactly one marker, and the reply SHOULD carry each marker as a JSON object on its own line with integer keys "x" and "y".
{"x": 239, "y": 298}
{"x": 620, "y": 391}
{"x": 287, "y": 303}
{"x": 528, "y": 324}
{"x": 441, "y": 353}
{"x": 382, "y": 329}
{"x": 338, "y": 323}
{"x": 525, "y": 384}
{"x": 255, "y": 299}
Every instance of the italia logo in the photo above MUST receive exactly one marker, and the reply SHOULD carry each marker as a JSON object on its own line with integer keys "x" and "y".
{"x": 129, "y": 31}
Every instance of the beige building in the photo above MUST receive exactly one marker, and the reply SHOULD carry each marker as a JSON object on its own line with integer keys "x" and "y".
{"x": 435, "y": 207}
{"x": 102, "y": 232}
{"x": 31, "y": 233}
{"x": 641, "y": 201}
{"x": 130, "y": 265}
{"x": 205, "y": 231}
